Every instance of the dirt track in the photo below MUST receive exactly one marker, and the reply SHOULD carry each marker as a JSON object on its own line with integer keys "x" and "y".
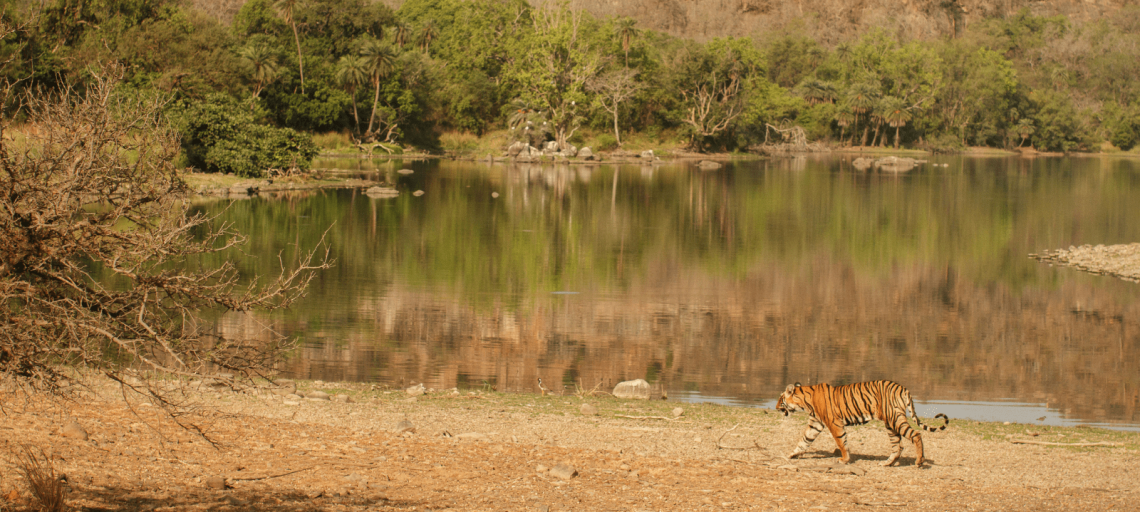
{"x": 484, "y": 451}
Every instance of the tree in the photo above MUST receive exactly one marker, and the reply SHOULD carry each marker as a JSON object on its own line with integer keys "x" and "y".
{"x": 351, "y": 73}
{"x": 428, "y": 33}
{"x": 1024, "y": 130}
{"x": 612, "y": 88}
{"x": 100, "y": 267}
{"x": 712, "y": 81}
{"x": 288, "y": 9}
{"x": 262, "y": 61}
{"x": 554, "y": 63}
{"x": 626, "y": 31}
{"x": 380, "y": 59}
{"x": 861, "y": 98}
{"x": 895, "y": 114}
{"x": 818, "y": 91}
{"x": 400, "y": 34}
{"x": 844, "y": 117}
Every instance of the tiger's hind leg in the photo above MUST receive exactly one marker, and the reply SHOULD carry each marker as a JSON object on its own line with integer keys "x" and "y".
{"x": 812, "y": 432}
{"x": 896, "y": 447}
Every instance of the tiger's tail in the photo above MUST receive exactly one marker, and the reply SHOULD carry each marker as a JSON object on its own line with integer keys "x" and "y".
{"x": 914, "y": 416}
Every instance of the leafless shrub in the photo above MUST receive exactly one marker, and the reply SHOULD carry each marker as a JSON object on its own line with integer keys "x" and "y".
{"x": 46, "y": 485}
{"x": 99, "y": 254}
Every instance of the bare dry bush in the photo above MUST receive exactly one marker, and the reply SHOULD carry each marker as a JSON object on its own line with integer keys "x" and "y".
{"x": 100, "y": 258}
{"x": 43, "y": 481}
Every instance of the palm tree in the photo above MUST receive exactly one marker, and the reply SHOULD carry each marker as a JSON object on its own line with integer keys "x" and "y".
{"x": 379, "y": 59}
{"x": 262, "y": 60}
{"x": 400, "y": 32}
{"x": 288, "y": 8}
{"x": 861, "y": 97}
{"x": 844, "y": 118}
{"x": 896, "y": 114}
{"x": 427, "y": 34}
{"x": 1025, "y": 129}
{"x": 818, "y": 91}
{"x": 626, "y": 31}
{"x": 351, "y": 73}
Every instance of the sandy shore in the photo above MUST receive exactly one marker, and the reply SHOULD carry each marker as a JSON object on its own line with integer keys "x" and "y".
{"x": 1121, "y": 261}
{"x": 494, "y": 451}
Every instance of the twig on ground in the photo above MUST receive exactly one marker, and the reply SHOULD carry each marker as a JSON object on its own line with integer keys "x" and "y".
{"x": 648, "y": 418}
{"x": 1046, "y": 443}
{"x": 718, "y": 445}
{"x": 254, "y": 479}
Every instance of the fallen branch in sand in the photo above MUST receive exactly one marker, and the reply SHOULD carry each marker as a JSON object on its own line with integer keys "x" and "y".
{"x": 648, "y": 418}
{"x": 253, "y": 479}
{"x": 1044, "y": 443}
{"x": 723, "y": 447}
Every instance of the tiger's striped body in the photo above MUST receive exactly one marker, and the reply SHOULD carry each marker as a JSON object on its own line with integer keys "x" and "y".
{"x": 836, "y": 407}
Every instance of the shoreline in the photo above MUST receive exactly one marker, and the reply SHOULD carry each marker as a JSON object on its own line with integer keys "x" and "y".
{"x": 348, "y": 449}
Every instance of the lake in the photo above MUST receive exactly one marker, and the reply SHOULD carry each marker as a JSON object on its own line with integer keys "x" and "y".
{"x": 721, "y": 285}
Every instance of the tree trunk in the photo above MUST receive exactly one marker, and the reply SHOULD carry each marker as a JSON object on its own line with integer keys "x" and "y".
{"x": 375, "y": 101}
{"x": 616, "y": 134}
{"x": 866, "y": 131}
{"x": 300, "y": 62}
{"x": 896, "y": 137}
{"x": 355, "y": 116}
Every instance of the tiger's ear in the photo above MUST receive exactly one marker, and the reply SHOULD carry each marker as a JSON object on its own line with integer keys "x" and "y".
{"x": 797, "y": 384}
{"x": 791, "y": 387}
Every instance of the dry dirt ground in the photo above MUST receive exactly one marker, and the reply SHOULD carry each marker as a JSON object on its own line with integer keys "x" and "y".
{"x": 481, "y": 450}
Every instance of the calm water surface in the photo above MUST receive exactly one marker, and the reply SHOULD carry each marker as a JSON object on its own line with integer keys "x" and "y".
{"x": 721, "y": 286}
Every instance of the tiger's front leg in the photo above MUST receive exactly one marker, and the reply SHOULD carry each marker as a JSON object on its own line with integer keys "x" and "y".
{"x": 812, "y": 432}
{"x": 840, "y": 435}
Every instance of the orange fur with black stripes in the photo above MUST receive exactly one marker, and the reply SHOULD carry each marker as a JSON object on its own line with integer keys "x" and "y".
{"x": 835, "y": 407}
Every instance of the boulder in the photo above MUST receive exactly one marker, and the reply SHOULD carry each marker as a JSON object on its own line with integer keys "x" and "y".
{"x": 648, "y": 154}
{"x": 862, "y": 163}
{"x": 563, "y": 471}
{"x": 405, "y": 426}
{"x": 633, "y": 389}
{"x": 73, "y": 430}
{"x": 317, "y": 395}
{"x": 895, "y": 164}
{"x": 381, "y": 192}
{"x": 708, "y": 165}
{"x": 550, "y": 148}
{"x": 516, "y": 147}
{"x": 586, "y": 153}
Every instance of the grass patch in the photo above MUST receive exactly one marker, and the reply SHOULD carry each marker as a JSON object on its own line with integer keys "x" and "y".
{"x": 333, "y": 141}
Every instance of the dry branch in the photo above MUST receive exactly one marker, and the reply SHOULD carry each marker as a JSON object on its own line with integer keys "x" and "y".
{"x": 1046, "y": 443}
{"x": 648, "y": 418}
{"x": 101, "y": 257}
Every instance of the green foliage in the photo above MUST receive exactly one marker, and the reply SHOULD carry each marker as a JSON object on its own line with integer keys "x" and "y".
{"x": 1121, "y": 125}
{"x": 1060, "y": 127}
{"x": 605, "y": 142}
{"x": 221, "y": 135}
{"x": 435, "y": 66}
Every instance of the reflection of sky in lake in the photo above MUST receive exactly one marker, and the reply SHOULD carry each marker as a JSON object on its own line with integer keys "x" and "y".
{"x": 1013, "y": 412}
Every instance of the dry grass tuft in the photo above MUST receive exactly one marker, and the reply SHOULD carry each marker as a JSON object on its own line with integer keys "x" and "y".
{"x": 46, "y": 485}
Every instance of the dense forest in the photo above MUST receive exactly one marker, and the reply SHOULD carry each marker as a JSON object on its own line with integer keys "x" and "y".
{"x": 252, "y": 92}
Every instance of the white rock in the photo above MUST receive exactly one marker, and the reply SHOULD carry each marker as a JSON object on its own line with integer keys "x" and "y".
{"x": 632, "y": 389}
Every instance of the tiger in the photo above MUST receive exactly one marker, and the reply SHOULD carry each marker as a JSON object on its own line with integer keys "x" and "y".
{"x": 856, "y": 404}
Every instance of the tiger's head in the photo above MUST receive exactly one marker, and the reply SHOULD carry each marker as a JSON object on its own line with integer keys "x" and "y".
{"x": 791, "y": 400}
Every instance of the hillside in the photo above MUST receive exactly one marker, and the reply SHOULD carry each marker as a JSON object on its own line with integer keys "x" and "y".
{"x": 829, "y": 21}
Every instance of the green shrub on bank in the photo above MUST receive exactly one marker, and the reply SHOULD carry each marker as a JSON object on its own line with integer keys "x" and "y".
{"x": 222, "y": 135}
